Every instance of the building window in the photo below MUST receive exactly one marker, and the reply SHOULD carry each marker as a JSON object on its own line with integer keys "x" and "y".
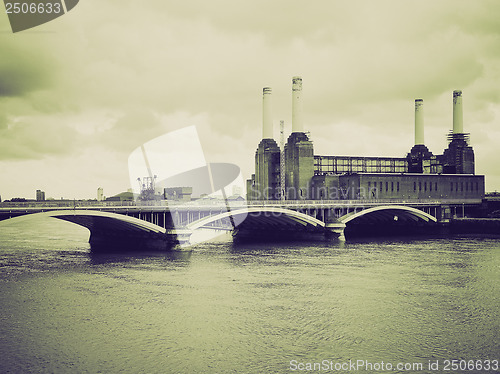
{"x": 386, "y": 186}
{"x": 451, "y": 186}
{"x": 392, "y": 186}
{"x": 398, "y": 187}
{"x": 456, "y": 186}
{"x": 380, "y": 187}
{"x": 462, "y": 186}
{"x": 477, "y": 186}
{"x": 425, "y": 186}
{"x": 420, "y": 186}
{"x": 430, "y": 186}
{"x": 369, "y": 183}
{"x": 466, "y": 186}
{"x": 414, "y": 186}
{"x": 436, "y": 186}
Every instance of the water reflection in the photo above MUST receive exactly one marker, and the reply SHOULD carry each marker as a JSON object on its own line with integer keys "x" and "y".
{"x": 100, "y": 258}
{"x": 266, "y": 248}
{"x": 233, "y": 307}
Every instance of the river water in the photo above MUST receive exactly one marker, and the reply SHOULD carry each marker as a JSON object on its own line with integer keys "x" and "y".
{"x": 226, "y": 308}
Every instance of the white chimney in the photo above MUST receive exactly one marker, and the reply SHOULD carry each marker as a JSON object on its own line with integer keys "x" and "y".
{"x": 419, "y": 121}
{"x": 458, "y": 116}
{"x": 267, "y": 114}
{"x": 297, "y": 124}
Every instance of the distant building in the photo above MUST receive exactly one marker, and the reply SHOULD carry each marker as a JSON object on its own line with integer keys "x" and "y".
{"x": 100, "y": 194}
{"x": 178, "y": 193}
{"x": 40, "y": 195}
{"x": 420, "y": 174}
{"x": 123, "y": 196}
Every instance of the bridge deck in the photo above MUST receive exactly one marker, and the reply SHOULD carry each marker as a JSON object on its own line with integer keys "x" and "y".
{"x": 161, "y": 205}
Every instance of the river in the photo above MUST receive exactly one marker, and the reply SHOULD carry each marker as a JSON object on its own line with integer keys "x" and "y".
{"x": 227, "y": 308}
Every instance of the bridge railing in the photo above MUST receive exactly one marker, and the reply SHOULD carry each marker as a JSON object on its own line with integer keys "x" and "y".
{"x": 94, "y": 203}
{"x": 64, "y": 204}
{"x": 361, "y": 202}
{"x": 215, "y": 203}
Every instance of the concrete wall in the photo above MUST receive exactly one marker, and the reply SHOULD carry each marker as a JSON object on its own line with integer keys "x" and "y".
{"x": 267, "y": 167}
{"x": 299, "y": 161}
{"x": 396, "y": 186}
{"x": 324, "y": 187}
{"x": 458, "y": 158}
{"x": 411, "y": 186}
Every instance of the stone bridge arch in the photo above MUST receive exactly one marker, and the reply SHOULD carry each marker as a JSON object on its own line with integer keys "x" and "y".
{"x": 266, "y": 223}
{"x": 117, "y": 232}
{"x": 274, "y": 216}
{"x": 384, "y": 211}
{"x": 388, "y": 220}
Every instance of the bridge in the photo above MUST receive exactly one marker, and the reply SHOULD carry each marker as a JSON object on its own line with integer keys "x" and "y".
{"x": 160, "y": 225}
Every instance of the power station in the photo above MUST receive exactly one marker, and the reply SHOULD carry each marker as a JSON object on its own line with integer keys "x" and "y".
{"x": 419, "y": 175}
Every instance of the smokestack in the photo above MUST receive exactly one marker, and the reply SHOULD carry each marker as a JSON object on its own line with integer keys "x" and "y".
{"x": 267, "y": 114}
{"x": 419, "y": 121}
{"x": 458, "y": 116}
{"x": 297, "y": 124}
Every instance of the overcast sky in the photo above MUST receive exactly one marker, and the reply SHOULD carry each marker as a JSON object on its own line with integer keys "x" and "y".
{"x": 80, "y": 93}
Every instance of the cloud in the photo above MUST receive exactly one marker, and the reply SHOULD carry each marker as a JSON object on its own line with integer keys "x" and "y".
{"x": 129, "y": 130}
{"x": 36, "y": 138}
{"x": 23, "y": 68}
{"x": 111, "y": 80}
{"x": 3, "y": 121}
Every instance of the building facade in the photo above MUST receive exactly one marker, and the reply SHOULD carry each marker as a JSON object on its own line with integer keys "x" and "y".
{"x": 421, "y": 174}
{"x": 40, "y": 195}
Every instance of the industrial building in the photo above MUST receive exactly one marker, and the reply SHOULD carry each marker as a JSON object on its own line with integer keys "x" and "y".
{"x": 178, "y": 193}
{"x": 294, "y": 172}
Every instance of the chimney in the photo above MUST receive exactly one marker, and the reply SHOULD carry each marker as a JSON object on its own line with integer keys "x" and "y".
{"x": 458, "y": 117}
{"x": 419, "y": 121}
{"x": 267, "y": 114}
{"x": 297, "y": 124}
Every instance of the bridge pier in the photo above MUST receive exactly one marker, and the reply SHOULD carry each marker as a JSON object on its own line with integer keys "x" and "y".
{"x": 335, "y": 229}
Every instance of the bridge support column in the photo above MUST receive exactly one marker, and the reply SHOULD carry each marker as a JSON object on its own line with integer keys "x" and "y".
{"x": 336, "y": 229}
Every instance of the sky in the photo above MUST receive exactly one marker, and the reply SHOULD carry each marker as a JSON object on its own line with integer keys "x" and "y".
{"x": 79, "y": 94}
